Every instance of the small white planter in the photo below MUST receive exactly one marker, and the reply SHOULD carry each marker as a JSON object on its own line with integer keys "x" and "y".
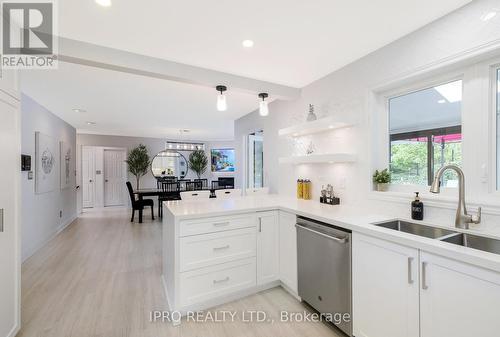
{"x": 382, "y": 187}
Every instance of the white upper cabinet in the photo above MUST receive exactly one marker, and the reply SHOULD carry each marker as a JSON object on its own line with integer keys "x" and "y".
{"x": 458, "y": 299}
{"x": 385, "y": 288}
{"x": 267, "y": 247}
{"x": 288, "y": 250}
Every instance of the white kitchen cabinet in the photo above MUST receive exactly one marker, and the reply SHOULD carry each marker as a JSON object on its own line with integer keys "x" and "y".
{"x": 385, "y": 288}
{"x": 458, "y": 299}
{"x": 288, "y": 250}
{"x": 267, "y": 247}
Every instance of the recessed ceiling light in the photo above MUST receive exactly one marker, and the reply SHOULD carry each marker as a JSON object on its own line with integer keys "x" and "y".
{"x": 91, "y": 123}
{"x": 79, "y": 110}
{"x": 104, "y": 3}
{"x": 247, "y": 43}
{"x": 488, "y": 16}
{"x": 442, "y": 101}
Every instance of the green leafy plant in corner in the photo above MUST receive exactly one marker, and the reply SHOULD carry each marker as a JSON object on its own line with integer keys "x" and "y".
{"x": 138, "y": 162}
{"x": 382, "y": 177}
{"x": 198, "y": 162}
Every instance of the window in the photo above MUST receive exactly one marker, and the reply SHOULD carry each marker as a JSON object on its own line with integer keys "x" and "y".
{"x": 255, "y": 178}
{"x": 425, "y": 133}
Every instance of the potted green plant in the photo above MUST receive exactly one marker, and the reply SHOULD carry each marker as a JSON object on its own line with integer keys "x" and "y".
{"x": 198, "y": 162}
{"x": 382, "y": 180}
{"x": 138, "y": 162}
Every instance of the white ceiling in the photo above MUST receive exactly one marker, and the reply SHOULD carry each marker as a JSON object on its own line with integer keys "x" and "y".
{"x": 132, "y": 105}
{"x": 296, "y": 42}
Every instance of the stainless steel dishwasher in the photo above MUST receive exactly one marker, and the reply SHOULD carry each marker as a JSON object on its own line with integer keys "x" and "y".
{"x": 324, "y": 269}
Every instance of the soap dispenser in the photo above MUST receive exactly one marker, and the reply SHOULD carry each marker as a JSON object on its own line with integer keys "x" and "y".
{"x": 417, "y": 208}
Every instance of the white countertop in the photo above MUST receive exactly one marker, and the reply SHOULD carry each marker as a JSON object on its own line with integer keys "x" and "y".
{"x": 356, "y": 219}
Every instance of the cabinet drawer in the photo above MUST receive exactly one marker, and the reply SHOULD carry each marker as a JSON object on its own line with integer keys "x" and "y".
{"x": 208, "y": 283}
{"x": 208, "y": 249}
{"x": 216, "y": 224}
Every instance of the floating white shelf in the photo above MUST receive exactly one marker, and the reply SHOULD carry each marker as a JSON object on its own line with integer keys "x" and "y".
{"x": 327, "y": 158}
{"x": 317, "y": 126}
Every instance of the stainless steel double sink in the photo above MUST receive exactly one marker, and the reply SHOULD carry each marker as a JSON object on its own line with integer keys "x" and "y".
{"x": 445, "y": 235}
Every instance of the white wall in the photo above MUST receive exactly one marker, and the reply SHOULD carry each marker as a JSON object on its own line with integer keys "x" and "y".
{"x": 154, "y": 145}
{"x": 349, "y": 92}
{"x": 40, "y": 212}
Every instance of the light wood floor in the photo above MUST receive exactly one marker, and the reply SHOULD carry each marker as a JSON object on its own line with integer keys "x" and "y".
{"x": 101, "y": 278}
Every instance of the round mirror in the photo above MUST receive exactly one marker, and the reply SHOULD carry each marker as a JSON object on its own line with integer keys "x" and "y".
{"x": 169, "y": 163}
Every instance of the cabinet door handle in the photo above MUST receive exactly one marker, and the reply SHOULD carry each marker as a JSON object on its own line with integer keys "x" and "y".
{"x": 424, "y": 276}
{"x": 260, "y": 225}
{"x": 219, "y": 224}
{"x": 221, "y": 281}
{"x": 410, "y": 273}
{"x": 1, "y": 220}
{"x": 220, "y": 248}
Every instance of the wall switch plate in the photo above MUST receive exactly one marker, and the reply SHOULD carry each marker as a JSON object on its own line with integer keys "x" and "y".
{"x": 30, "y": 175}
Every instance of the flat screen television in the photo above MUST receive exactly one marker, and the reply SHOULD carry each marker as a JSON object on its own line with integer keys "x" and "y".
{"x": 222, "y": 160}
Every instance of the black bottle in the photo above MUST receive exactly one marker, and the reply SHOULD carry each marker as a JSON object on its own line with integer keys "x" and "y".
{"x": 417, "y": 208}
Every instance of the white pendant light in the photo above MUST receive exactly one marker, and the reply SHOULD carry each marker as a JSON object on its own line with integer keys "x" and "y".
{"x": 263, "y": 108}
{"x": 221, "y": 99}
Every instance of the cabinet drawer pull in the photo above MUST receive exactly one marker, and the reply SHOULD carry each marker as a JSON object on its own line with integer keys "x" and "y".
{"x": 220, "y": 248}
{"x": 424, "y": 276}
{"x": 410, "y": 273}
{"x": 219, "y": 224}
{"x": 221, "y": 281}
{"x": 260, "y": 225}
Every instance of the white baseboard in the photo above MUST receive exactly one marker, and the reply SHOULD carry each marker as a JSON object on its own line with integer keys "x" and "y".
{"x": 290, "y": 291}
{"x": 58, "y": 230}
{"x": 14, "y": 330}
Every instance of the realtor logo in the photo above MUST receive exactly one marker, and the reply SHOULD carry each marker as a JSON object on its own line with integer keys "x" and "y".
{"x": 28, "y": 39}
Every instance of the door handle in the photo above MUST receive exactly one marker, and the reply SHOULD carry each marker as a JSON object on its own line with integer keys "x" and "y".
{"x": 106, "y": 180}
{"x": 410, "y": 274}
{"x": 1, "y": 220}
{"x": 331, "y": 237}
{"x": 424, "y": 276}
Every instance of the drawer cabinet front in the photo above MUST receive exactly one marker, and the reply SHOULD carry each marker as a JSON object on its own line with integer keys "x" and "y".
{"x": 216, "y": 224}
{"x": 209, "y": 249}
{"x": 208, "y": 283}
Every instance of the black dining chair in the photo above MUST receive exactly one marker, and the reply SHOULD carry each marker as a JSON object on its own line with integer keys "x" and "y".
{"x": 202, "y": 184}
{"x": 139, "y": 204}
{"x": 182, "y": 183}
{"x": 192, "y": 185}
{"x": 170, "y": 190}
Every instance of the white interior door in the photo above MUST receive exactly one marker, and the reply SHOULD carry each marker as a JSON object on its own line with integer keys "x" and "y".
{"x": 88, "y": 176}
{"x": 114, "y": 180}
{"x": 9, "y": 220}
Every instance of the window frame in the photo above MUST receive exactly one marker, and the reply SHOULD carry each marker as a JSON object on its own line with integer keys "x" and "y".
{"x": 494, "y": 128}
{"x": 479, "y": 148}
{"x": 382, "y": 97}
